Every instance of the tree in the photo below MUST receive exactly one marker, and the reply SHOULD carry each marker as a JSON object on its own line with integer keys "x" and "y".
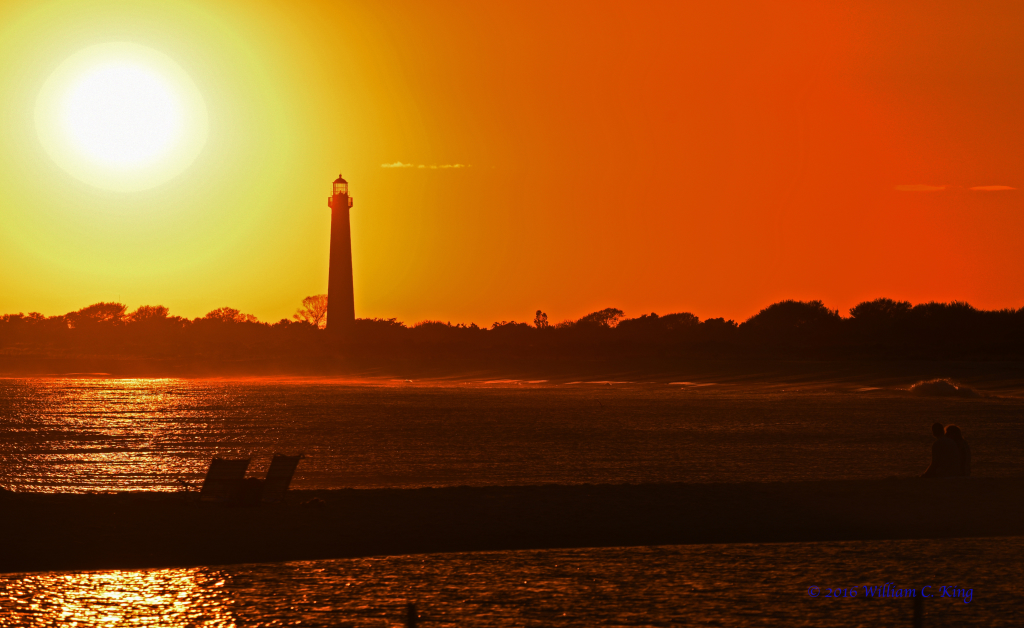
{"x": 540, "y": 321}
{"x": 880, "y": 312}
{"x": 149, "y": 314}
{"x": 790, "y": 315}
{"x": 230, "y": 315}
{"x": 608, "y": 317}
{"x": 110, "y": 313}
{"x": 794, "y": 323}
{"x": 881, "y": 321}
{"x": 313, "y": 311}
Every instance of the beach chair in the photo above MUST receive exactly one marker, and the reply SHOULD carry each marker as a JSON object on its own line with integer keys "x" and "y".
{"x": 224, "y": 480}
{"x": 279, "y": 476}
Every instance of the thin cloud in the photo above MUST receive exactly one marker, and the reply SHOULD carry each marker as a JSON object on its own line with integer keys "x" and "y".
{"x": 922, "y": 188}
{"x": 399, "y": 164}
{"x": 944, "y": 188}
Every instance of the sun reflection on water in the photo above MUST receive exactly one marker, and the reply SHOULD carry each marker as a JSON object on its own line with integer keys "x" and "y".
{"x": 167, "y": 598}
{"x": 732, "y": 586}
{"x": 90, "y": 434}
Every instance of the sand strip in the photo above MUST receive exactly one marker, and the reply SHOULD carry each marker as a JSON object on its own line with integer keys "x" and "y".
{"x": 134, "y": 530}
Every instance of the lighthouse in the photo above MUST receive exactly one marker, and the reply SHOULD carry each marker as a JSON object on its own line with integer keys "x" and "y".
{"x": 341, "y": 305}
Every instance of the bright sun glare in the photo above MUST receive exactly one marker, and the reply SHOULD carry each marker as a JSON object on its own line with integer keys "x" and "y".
{"x": 121, "y": 117}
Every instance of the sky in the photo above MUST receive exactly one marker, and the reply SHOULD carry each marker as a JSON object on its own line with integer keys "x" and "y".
{"x": 660, "y": 157}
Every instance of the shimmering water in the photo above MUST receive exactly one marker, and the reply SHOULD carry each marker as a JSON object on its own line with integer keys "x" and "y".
{"x": 701, "y": 585}
{"x": 100, "y": 434}
{"x": 96, "y": 434}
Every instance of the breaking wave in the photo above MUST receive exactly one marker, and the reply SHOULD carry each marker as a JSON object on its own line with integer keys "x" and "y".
{"x": 942, "y": 388}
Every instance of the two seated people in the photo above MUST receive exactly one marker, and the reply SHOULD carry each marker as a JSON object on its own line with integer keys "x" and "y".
{"x": 951, "y": 457}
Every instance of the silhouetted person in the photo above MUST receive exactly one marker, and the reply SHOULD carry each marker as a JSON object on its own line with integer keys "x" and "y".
{"x": 957, "y": 436}
{"x": 945, "y": 456}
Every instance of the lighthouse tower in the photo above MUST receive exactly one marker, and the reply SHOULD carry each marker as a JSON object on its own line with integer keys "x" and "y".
{"x": 341, "y": 306}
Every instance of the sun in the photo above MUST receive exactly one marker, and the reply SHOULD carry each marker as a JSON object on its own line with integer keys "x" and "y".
{"x": 121, "y": 116}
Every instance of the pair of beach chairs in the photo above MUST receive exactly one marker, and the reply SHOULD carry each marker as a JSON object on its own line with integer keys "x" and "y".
{"x": 226, "y": 482}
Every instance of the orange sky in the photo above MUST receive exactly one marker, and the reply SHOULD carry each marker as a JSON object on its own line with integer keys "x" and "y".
{"x": 693, "y": 157}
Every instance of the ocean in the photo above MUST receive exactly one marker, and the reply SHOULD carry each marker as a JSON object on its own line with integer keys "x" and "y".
{"x": 94, "y": 434}
{"x": 695, "y": 585}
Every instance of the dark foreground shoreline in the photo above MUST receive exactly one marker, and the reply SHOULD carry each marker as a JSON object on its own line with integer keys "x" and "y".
{"x": 44, "y": 532}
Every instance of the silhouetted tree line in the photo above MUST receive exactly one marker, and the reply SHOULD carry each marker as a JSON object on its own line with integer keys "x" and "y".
{"x": 882, "y": 328}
